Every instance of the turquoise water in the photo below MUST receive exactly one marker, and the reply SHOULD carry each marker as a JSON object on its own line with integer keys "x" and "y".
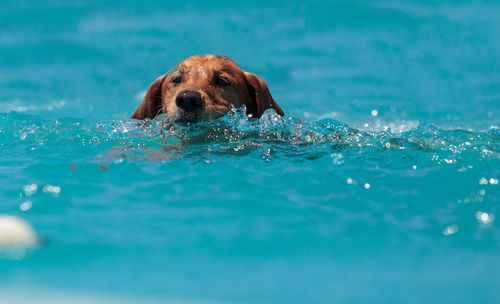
{"x": 380, "y": 184}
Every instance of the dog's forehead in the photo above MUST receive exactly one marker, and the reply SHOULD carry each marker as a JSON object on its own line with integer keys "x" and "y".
{"x": 206, "y": 65}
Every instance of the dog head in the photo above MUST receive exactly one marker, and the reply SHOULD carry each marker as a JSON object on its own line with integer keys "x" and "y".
{"x": 203, "y": 87}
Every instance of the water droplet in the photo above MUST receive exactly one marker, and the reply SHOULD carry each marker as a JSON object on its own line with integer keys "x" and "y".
{"x": 483, "y": 181}
{"x": 337, "y": 158}
{"x": 484, "y": 218}
{"x": 350, "y": 181}
{"x": 26, "y": 206}
{"x": 54, "y": 190}
{"x": 367, "y": 186}
{"x": 414, "y": 167}
{"x": 30, "y": 189}
{"x": 493, "y": 181}
{"x": 374, "y": 113}
{"x": 452, "y": 229}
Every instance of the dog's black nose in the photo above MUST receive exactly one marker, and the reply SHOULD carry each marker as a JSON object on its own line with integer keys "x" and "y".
{"x": 189, "y": 101}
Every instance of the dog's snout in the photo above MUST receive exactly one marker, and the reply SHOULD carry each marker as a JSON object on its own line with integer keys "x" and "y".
{"x": 190, "y": 101}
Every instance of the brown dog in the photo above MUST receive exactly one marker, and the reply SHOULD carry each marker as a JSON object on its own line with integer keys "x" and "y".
{"x": 203, "y": 87}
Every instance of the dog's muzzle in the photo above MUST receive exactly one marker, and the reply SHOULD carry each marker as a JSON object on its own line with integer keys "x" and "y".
{"x": 190, "y": 104}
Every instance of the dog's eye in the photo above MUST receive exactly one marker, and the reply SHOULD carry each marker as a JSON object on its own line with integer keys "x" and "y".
{"x": 221, "y": 82}
{"x": 176, "y": 80}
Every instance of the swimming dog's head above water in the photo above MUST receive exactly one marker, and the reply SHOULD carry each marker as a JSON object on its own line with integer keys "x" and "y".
{"x": 203, "y": 87}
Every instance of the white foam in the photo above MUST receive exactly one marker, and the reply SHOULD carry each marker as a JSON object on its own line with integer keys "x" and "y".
{"x": 395, "y": 127}
{"x": 20, "y": 106}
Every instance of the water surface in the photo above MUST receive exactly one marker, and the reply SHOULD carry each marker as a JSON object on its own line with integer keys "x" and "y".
{"x": 379, "y": 185}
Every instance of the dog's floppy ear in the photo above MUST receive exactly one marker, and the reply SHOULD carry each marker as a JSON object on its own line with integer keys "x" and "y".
{"x": 260, "y": 97}
{"x": 151, "y": 104}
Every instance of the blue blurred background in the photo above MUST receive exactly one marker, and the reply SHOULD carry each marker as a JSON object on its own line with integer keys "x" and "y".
{"x": 402, "y": 214}
{"x": 410, "y": 60}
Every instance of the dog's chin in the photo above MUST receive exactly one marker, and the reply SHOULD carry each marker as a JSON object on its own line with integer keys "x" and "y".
{"x": 185, "y": 118}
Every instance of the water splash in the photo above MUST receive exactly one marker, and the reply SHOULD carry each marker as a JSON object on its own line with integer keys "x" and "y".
{"x": 235, "y": 134}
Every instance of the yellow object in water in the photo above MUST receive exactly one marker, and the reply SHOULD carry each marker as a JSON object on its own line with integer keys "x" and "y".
{"x": 16, "y": 232}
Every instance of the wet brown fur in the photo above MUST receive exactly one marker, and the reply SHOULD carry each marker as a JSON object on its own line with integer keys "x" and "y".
{"x": 199, "y": 73}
